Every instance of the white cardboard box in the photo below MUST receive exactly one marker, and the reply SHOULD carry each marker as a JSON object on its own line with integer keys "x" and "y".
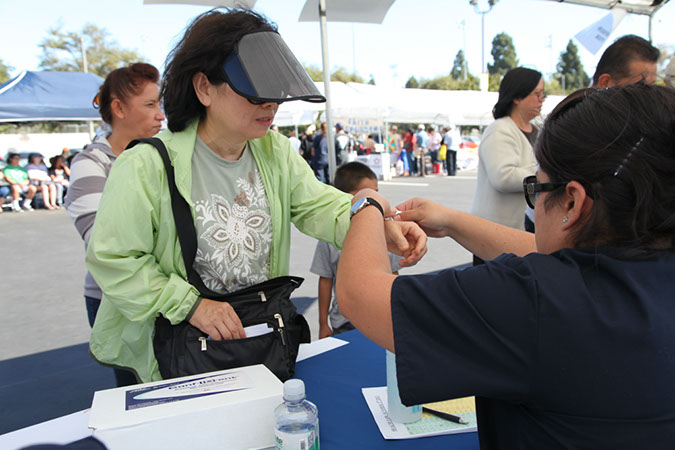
{"x": 229, "y": 409}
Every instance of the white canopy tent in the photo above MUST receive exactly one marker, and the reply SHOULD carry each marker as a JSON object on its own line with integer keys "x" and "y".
{"x": 402, "y": 105}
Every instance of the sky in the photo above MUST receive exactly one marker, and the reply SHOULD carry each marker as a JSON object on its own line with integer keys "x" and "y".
{"x": 418, "y": 38}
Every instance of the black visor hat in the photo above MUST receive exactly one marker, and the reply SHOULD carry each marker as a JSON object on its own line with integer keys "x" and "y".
{"x": 263, "y": 69}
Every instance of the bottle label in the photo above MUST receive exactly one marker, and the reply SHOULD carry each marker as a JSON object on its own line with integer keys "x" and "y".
{"x": 308, "y": 440}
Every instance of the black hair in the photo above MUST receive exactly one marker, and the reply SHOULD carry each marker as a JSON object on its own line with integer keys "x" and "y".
{"x": 207, "y": 41}
{"x": 617, "y": 57}
{"x": 619, "y": 144}
{"x": 517, "y": 84}
{"x": 348, "y": 176}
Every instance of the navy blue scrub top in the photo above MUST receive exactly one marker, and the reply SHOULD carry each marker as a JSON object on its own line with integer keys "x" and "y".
{"x": 570, "y": 350}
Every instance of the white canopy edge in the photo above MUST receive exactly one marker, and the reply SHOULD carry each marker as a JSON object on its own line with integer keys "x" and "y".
{"x": 644, "y": 7}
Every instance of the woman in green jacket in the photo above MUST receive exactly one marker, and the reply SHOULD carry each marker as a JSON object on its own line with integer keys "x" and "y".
{"x": 223, "y": 84}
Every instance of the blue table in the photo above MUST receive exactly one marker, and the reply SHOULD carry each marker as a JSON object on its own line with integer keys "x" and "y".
{"x": 333, "y": 382}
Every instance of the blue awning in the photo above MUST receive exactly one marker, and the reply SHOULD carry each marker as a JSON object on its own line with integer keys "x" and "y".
{"x": 49, "y": 96}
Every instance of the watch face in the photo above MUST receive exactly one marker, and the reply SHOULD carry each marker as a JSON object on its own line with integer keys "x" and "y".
{"x": 358, "y": 205}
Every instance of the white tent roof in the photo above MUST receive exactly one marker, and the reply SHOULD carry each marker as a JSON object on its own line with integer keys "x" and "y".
{"x": 396, "y": 105}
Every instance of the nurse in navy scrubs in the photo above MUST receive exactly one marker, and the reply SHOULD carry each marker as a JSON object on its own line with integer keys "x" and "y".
{"x": 566, "y": 337}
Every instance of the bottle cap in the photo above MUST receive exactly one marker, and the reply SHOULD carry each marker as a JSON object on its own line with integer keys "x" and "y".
{"x": 294, "y": 390}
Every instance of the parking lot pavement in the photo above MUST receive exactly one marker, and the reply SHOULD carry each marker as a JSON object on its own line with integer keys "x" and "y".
{"x": 43, "y": 321}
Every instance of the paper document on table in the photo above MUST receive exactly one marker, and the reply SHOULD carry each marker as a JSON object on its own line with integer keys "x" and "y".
{"x": 318, "y": 347}
{"x": 429, "y": 425}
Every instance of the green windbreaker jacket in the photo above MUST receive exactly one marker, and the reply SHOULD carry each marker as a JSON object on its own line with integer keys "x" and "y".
{"x": 134, "y": 253}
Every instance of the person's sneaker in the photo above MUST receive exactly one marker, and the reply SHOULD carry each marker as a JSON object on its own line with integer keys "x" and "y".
{"x": 27, "y": 208}
{"x": 16, "y": 208}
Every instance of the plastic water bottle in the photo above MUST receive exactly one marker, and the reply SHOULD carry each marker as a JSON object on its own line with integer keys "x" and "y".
{"x": 296, "y": 425}
{"x": 397, "y": 410}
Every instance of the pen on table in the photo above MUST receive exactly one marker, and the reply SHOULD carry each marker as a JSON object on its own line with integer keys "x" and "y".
{"x": 446, "y": 416}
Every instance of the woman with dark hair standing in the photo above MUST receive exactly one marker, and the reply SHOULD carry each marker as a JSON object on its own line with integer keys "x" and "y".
{"x": 244, "y": 185}
{"x": 505, "y": 153}
{"x": 128, "y": 101}
{"x": 565, "y": 336}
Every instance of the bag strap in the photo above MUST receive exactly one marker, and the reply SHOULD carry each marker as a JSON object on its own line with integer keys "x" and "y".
{"x": 182, "y": 215}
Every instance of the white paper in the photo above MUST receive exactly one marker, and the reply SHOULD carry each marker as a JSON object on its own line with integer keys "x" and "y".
{"x": 318, "y": 347}
{"x": 257, "y": 330}
{"x": 376, "y": 398}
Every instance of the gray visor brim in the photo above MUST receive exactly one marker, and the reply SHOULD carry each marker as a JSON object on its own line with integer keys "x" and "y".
{"x": 263, "y": 68}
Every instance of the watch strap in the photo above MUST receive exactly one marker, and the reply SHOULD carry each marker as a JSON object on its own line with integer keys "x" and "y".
{"x": 369, "y": 201}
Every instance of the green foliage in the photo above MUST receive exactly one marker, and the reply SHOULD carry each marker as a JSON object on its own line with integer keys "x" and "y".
{"x": 314, "y": 73}
{"x": 459, "y": 67}
{"x": 339, "y": 74}
{"x": 412, "y": 83}
{"x": 62, "y": 51}
{"x": 494, "y": 80}
{"x": 5, "y": 72}
{"x": 570, "y": 69}
{"x": 448, "y": 83}
{"x": 552, "y": 87}
{"x": 504, "y": 55}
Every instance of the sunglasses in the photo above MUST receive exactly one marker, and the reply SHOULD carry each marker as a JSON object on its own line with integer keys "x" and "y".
{"x": 531, "y": 189}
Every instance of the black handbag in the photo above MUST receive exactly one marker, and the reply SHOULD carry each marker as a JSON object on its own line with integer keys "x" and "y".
{"x": 183, "y": 349}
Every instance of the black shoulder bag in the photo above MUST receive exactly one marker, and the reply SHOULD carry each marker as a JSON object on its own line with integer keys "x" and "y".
{"x": 183, "y": 349}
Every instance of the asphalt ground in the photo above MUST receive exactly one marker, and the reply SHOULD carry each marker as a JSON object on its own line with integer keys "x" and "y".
{"x": 45, "y": 371}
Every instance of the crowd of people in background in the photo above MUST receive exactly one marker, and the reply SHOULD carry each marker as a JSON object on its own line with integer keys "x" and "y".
{"x": 34, "y": 184}
{"x": 413, "y": 152}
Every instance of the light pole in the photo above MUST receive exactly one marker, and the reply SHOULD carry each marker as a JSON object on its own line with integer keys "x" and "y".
{"x": 482, "y": 12}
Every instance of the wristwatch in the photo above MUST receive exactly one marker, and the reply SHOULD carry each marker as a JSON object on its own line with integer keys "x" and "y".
{"x": 363, "y": 203}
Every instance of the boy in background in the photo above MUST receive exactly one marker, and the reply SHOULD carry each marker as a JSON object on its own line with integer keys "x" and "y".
{"x": 351, "y": 178}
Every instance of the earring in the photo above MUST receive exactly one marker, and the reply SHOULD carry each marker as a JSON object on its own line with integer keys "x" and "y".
{"x": 565, "y": 219}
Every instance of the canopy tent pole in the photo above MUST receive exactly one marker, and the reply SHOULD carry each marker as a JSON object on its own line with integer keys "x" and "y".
{"x": 326, "y": 86}
{"x": 84, "y": 69}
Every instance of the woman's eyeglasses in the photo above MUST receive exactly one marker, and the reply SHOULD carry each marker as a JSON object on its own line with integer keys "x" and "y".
{"x": 532, "y": 189}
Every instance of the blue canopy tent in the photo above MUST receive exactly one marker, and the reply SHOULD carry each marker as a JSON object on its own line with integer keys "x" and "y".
{"x": 49, "y": 96}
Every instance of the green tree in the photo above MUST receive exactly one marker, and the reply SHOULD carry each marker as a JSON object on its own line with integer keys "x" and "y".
{"x": 314, "y": 73}
{"x": 339, "y": 74}
{"x": 62, "y": 51}
{"x": 459, "y": 68}
{"x": 552, "y": 87}
{"x": 503, "y": 54}
{"x": 450, "y": 84}
{"x": 440, "y": 83}
{"x": 571, "y": 74}
{"x": 472, "y": 83}
{"x": 5, "y": 71}
{"x": 412, "y": 83}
